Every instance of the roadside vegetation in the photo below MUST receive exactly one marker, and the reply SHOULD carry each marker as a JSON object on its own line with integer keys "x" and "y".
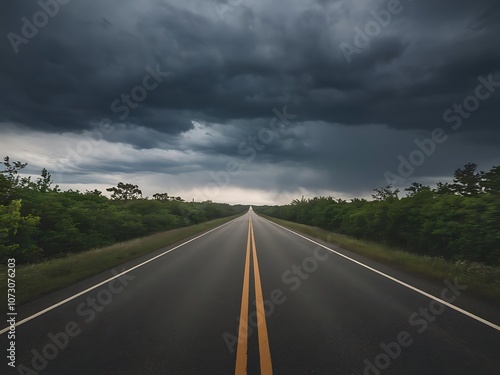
{"x": 35, "y": 280}
{"x": 453, "y": 229}
{"x": 39, "y": 222}
{"x": 481, "y": 280}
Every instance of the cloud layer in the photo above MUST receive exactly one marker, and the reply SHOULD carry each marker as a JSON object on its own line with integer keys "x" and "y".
{"x": 182, "y": 85}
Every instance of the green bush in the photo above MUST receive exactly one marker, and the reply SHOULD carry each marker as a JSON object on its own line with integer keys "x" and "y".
{"x": 456, "y": 222}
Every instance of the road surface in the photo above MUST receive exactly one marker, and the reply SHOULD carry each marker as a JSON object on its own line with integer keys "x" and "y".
{"x": 252, "y": 297}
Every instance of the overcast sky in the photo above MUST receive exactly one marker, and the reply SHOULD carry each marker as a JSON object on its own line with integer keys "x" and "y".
{"x": 250, "y": 101}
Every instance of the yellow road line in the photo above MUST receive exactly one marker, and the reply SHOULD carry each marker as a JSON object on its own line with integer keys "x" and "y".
{"x": 264, "y": 351}
{"x": 242, "y": 351}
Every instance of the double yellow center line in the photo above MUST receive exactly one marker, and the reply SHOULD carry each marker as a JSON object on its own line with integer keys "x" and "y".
{"x": 242, "y": 351}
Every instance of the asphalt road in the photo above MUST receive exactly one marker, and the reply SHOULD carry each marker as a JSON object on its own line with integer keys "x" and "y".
{"x": 304, "y": 310}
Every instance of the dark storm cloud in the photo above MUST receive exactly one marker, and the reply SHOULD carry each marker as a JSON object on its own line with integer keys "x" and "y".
{"x": 260, "y": 56}
{"x": 228, "y": 74}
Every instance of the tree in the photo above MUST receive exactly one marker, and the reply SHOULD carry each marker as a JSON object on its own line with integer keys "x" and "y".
{"x": 444, "y": 188}
{"x": 385, "y": 193}
{"x": 10, "y": 179}
{"x": 467, "y": 180}
{"x": 490, "y": 181}
{"x": 416, "y": 188}
{"x": 93, "y": 192}
{"x": 12, "y": 170}
{"x": 358, "y": 201}
{"x": 44, "y": 183}
{"x": 10, "y": 221}
{"x": 125, "y": 191}
{"x": 161, "y": 196}
{"x": 297, "y": 201}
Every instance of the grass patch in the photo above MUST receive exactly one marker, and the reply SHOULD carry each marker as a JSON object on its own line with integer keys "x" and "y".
{"x": 482, "y": 281}
{"x": 35, "y": 280}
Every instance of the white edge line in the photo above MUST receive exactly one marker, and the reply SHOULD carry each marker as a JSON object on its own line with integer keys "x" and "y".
{"x": 108, "y": 280}
{"x": 465, "y": 312}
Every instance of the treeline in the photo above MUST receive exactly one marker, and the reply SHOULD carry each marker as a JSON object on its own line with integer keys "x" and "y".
{"x": 457, "y": 221}
{"x": 39, "y": 221}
